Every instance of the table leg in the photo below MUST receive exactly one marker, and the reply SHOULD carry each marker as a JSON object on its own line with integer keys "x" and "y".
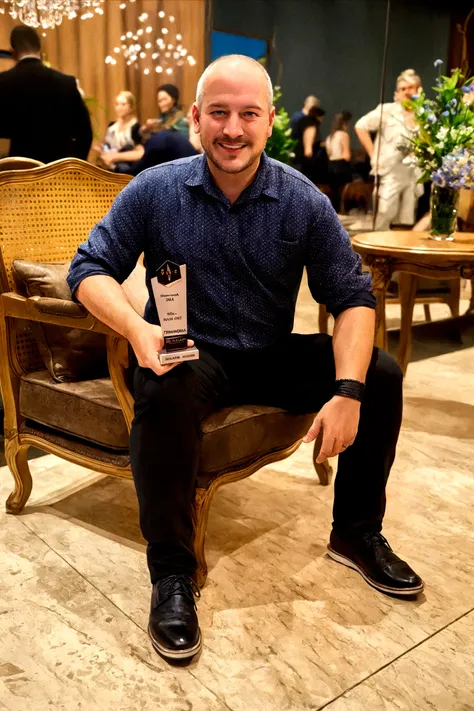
{"x": 407, "y": 290}
{"x": 323, "y": 319}
{"x": 381, "y": 273}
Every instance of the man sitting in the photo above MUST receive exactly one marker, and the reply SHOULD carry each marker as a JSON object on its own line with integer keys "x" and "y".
{"x": 246, "y": 226}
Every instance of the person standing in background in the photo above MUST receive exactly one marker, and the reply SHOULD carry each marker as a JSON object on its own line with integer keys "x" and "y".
{"x": 310, "y": 156}
{"x": 42, "y": 113}
{"x": 309, "y": 103}
{"x": 397, "y": 191}
{"x": 338, "y": 148}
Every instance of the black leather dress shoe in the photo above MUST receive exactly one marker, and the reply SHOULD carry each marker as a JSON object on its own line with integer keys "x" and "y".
{"x": 372, "y": 557}
{"x": 173, "y": 626}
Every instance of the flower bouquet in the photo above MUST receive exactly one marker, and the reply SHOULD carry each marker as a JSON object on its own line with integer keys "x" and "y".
{"x": 442, "y": 145}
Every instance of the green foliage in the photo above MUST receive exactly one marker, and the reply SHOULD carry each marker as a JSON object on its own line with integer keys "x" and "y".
{"x": 94, "y": 108}
{"x": 280, "y": 145}
{"x": 443, "y": 124}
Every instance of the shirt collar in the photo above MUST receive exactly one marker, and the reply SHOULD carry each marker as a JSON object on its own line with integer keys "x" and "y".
{"x": 266, "y": 181}
{"x": 29, "y": 56}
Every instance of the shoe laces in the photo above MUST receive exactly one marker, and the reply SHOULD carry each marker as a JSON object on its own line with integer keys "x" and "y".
{"x": 178, "y": 585}
{"x": 373, "y": 539}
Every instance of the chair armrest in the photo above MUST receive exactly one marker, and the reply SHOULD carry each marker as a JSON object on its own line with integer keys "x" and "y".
{"x": 58, "y": 312}
{"x": 72, "y": 315}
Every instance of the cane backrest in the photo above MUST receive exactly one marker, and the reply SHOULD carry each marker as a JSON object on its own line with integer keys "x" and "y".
{"x": 19, "y": 163}
{"x": 45, "y": 213}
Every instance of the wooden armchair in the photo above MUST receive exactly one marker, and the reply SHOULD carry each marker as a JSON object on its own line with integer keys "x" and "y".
{"x": 45, "y": 214}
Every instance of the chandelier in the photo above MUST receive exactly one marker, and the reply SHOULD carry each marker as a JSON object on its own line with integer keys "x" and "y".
{"x": 153, "y": 47}
{"x": 50, "y": 13}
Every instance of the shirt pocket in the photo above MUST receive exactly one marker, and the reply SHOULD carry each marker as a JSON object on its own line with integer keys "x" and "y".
{"x": 280, "y": 262}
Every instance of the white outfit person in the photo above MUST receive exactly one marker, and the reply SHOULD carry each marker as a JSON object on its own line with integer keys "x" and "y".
{"x": 398, "y": 189}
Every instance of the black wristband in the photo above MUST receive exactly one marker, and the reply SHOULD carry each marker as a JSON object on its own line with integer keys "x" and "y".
{"x": 350, "y": 388}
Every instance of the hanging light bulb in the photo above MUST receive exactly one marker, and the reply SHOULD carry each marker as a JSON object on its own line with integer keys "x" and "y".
{"x": 171, "y": 18}
{"x": 169, "y": 70}
{"x": 146, "y": 71}
{"x": 161, "y": 14}
{"x": 164, "y": 31}
{"x": 159, "y": 69}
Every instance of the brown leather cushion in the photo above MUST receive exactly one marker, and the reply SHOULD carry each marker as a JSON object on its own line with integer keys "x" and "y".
{"x": 233, "y": 437}
{"x": 69, "y": 354}
{"x": 86, "y": 409}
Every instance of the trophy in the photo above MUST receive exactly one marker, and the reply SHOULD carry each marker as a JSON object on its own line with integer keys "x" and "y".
{"x": 169, "y": 290}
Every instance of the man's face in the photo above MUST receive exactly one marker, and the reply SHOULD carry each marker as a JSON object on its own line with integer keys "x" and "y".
{"x": 405, "y": 90}
{"x": 234, "y": 120}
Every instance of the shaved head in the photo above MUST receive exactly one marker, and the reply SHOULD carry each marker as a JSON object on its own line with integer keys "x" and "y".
{"x": 234, "y": 114}
{"x": 232, "y": 65}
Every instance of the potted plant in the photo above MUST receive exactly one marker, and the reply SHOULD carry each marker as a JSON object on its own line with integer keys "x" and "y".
{"x": 280, "y": 145}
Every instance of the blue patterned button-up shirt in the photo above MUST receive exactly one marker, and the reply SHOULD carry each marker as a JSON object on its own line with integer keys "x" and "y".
{"x": 244, "y": 260}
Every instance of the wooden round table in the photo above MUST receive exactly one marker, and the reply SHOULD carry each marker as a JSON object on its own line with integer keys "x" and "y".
{"x": 414, "y": 254}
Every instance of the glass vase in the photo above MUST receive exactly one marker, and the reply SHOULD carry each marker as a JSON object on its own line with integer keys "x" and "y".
{"x": 444, "y": 208}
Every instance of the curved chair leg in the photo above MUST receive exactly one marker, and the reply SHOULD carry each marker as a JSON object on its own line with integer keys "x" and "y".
{"x": 202, "y": 502}
{"x": 16, "y": 456}
{"x": 324, "y": 470}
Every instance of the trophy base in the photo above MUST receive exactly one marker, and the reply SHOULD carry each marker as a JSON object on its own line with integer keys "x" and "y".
{"x": 167, "y": 357}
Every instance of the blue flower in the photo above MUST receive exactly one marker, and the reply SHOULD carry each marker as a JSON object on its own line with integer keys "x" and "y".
{"x": 466, "y": 89}
{"x": 432, "y": 118}
{"x": 415, "y": 96}
{"x": 438, "y": 62}
{"x": 445, "y": 113}
{"x": 453, "y": 102}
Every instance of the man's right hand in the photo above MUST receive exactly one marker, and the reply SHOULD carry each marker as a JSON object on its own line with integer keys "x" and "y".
{"x": 147, "y": 341}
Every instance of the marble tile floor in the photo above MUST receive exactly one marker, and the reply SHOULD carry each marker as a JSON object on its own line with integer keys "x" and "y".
{"x": 284, "y": 627}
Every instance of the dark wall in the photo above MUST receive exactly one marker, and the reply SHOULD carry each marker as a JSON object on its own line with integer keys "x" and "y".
{"x": 333, "y": 48}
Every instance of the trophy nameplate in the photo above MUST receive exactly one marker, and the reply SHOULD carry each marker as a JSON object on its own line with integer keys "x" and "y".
{"x": 169, "y": 290}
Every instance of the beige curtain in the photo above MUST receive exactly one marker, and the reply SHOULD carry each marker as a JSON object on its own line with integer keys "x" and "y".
{"x": 79, "y": 47}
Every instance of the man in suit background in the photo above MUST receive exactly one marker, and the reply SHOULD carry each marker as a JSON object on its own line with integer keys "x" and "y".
{"x": 42, "y": 112}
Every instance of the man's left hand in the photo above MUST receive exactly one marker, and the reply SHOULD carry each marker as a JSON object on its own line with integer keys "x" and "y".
{"x": 339, "y": 421}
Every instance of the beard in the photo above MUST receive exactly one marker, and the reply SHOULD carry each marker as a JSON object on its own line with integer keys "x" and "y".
{"x": 209, "y": 150}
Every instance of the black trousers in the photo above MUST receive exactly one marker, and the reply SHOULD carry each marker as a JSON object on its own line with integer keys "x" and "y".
{"x": 339, "y": 175}
{"x": 297, "y": 375}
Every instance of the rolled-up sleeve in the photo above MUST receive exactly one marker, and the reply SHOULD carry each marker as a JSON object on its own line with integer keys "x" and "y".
{"x": 335, "y": 274}
{"x": 371, "y": 121}
{"x": 116, "y": 242}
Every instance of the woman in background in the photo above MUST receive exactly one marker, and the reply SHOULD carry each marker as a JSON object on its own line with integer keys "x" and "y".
{"x": 338, "y": 148}
{"x": 122, "y": 142}
{"x": 170, "y": 116}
